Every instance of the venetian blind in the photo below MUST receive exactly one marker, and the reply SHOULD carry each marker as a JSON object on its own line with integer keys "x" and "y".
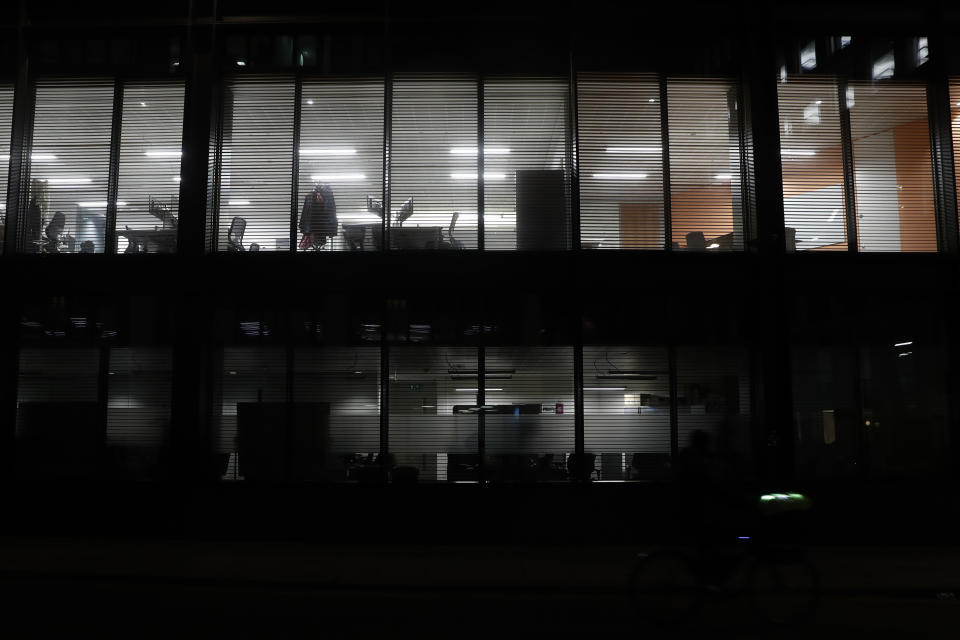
{"x": 526, "y": 168}
{"x": 6, "y": 124}
{"x": 626, "y": 406}
{"x": 347, "y": 381}
{"x": 812, "y": 164}
{"x": 433, "y": 162}
{"x": 341, "y": 146}
{"x": 713, "y": 396}
{"x": 433, "y": 413}
{"x": 893, "y": 169}
{"x": 706, "y": 206}
{"x": 620, "y": 161}
{"x": 70, "y": 162}
{"x": 138, "y": 407}
{"x": 256, "y": 175}
{"x": 148, "y": 184}
{"x": 531, "y": 413}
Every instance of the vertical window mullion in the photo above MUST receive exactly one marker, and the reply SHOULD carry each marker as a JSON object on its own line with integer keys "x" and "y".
{"x": 110, "y": 234}
{"x": 665, "y": 151}
{"x": 295, "y": 181}
{"x": 849, "y": 177}
{"x": 573, "y": 126}
{"x": 387, "y": 142}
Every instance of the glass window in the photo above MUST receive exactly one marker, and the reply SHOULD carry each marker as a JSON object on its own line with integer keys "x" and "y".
{"x": 893, "y": 179}
{"x": 251, "y": 412}
{"x": 433, "y": 163}
{"x": 256, "y": 176}
{"x": 345, "y": 383}
{"x": 706, "y": 206}
{"x": 530, "y": 417}
{"x": 894, "y": 174}
{"x": 341, "y": 159}
{"x": 713, "y": 397}
{"x": 148, "y": 184}
{"x": 621, "y": 162}
{"x": 812, "y": 161}
{"x": 138, "y": 409}
{"x": 6, "y": 124}
{"x": 60, "y": 430}
{"x": 525, "y": 164}
{"x": 433, "y": 414}
{"x": 626, "y": 411}
{"x": 70, "y": 159}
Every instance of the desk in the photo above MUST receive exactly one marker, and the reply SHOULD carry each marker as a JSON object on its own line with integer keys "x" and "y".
{"x": 150, "y": 240}
{"x": 366, "y": 237}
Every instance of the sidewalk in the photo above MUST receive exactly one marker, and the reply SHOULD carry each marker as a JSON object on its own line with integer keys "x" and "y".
{"x": 847, "y": 569}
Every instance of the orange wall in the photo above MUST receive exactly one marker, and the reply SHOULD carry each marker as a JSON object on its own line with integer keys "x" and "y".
{"x": 707, "y": 209}
{"x": 918, "y": 230}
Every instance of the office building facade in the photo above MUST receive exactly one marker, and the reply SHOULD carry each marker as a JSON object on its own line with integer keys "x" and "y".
{"x": 391, "y": 247}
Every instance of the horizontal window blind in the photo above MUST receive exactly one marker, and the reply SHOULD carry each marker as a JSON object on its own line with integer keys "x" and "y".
{"x": 60, "y": 429}
{"x": 433, "y": 162}
{"x": 620, "y": 161}
{"x": 706, "y": 207}
{"x": 347, "y": 380}
{"x": 525, "y": 164}
{"x": 148, "y": 184}
{"x": 530, "y": 422}
{"x": 893, "y": 170}
{"x": 433, "y": 414}
{"x": 812, "y": 162}
{"x": 256, "y": 177}
{"x": 626, "y": 406}
{"x": 713, "y": 396}
{"x": 341, "y": 147}
{"x": 253, "y": 390}
{"x": 955, "y": 128}
{"x": 138, "y": 407}
{"x": 70, "y": 159}
{"x": 6, "y": 126}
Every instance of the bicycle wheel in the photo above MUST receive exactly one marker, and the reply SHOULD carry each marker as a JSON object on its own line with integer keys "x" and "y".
{"x": 784, "y": 593}
{"x": 664, "y": 587}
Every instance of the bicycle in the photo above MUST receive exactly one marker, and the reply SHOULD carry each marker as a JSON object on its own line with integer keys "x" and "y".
{"x": 671, "y": 585}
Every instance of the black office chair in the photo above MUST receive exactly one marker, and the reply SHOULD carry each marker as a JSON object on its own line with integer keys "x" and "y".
{"x": 587, "y": 470}
{"x": 51, "y": 242}
{"x": 696, "y": 241}
{"x": 235, "y": 234}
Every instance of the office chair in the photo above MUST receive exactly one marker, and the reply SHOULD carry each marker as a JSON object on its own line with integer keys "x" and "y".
{"x": 51, "y": 243}
{"x": 696, "y": 241}
{"x": 235, "y": 234}
{"x": 574, "y": 468}
{"x": 451, "y": 242}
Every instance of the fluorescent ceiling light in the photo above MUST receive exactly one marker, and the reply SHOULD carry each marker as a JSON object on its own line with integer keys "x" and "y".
{"x": 472, "y": 151}
{"x": 723, "y": 176}
{"x": 797, "y": 152}
{"x": 68, "y": 180}
{"x": 241, "y": 63}
{"x": 473, "y": 176}
{"x": 308, "y": 102}
{"x": 238, "y": 203}
{"x": 163, "y": 154}
{"x": 845, "y": 41}
{"x": 328, "y": 152}
{"x": 99, "y": 204}
{"x": 634, "y": 150}
{"x": 619, "y": 176}
{"x": 477, "y": 389}
{"x": 905, "y": 353}
{"x": 715, "y": 245}
{"x": 176, "y": 178}
{"x": 143, "y": 104}
{"x": 903, "y": 344}
{"x": 35, "y": 157}
{"x": 341, "y": 177}
{"x": 652, "y": 100}
{"x": 604, "y": 388}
